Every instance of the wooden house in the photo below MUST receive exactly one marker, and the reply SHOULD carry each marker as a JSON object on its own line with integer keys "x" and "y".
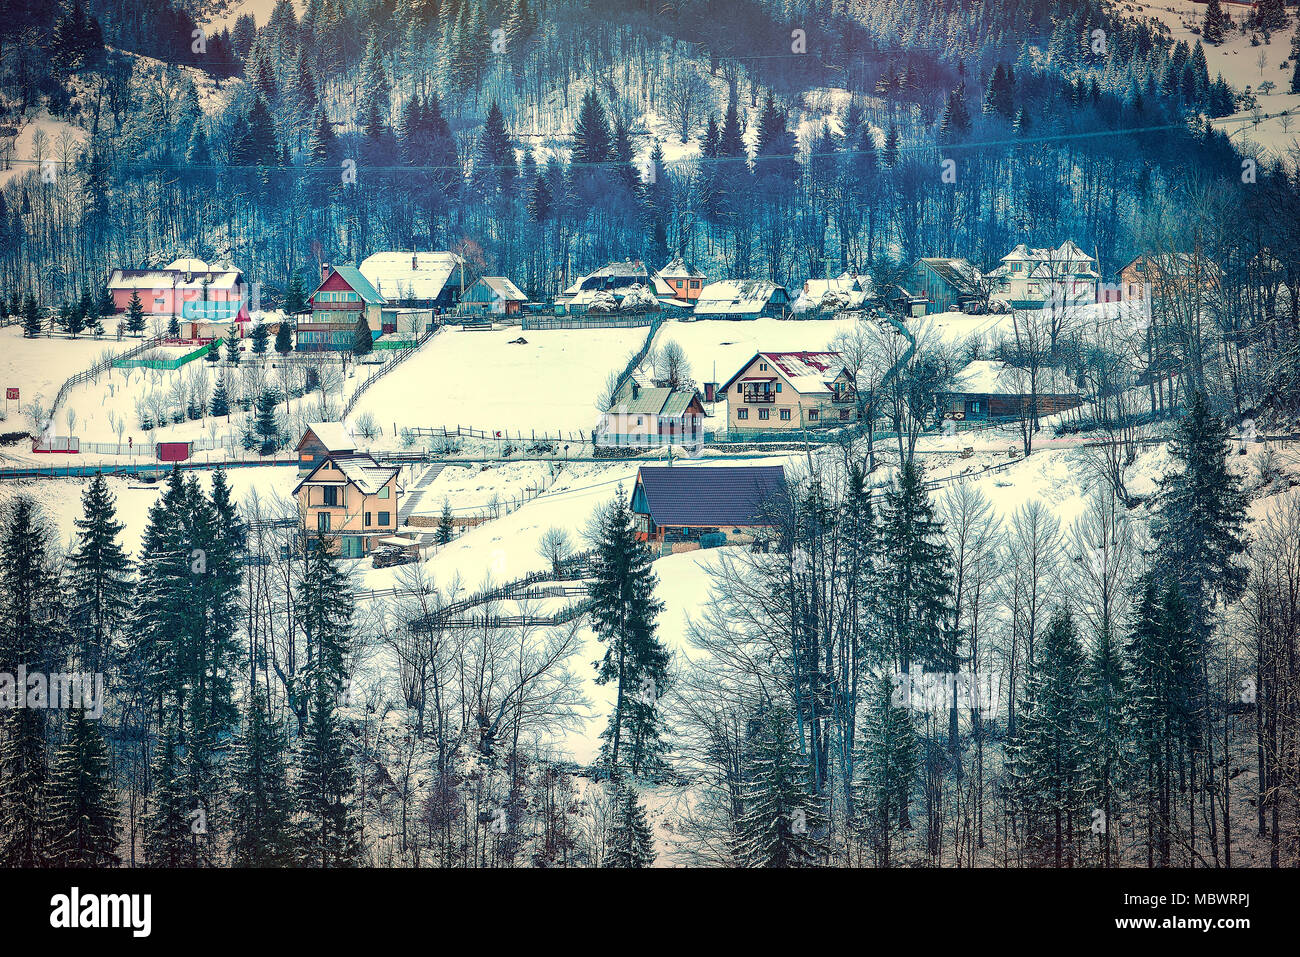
{"x": 342, "y": 299}
{"x": 349, "y": 502}
{"x": 642, "y": 417}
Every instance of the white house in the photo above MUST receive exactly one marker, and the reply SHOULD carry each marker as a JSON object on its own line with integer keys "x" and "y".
{"x": 1028, "y": 278}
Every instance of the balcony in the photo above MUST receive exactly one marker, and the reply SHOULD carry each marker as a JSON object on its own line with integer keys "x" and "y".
{"x": 757, "y": 396}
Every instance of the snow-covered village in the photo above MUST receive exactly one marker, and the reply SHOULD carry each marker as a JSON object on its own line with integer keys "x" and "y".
{"x": 604, "y": 434}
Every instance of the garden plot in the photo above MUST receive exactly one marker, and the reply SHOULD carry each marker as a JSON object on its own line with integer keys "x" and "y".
{"x": 485, "y": 380}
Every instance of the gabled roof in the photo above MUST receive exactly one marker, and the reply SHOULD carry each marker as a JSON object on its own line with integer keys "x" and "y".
{"x": 808, "y": 373}
{"x": 617, "y": 279}
{"x": 357, "y": 282}
{"x": 957, "y": 273}
{"x": 409, "y": 276}
{"x": 503, "y": 288}
{"x": 680, "y": 269}
{"x": 358, "y": 468}
{"x": 183, "y": 273}
{"x": 736, "y": 297}
{"x": 333, "y": 435}
{"x": 655, "y": 400}
{"x": 712, "y": 496}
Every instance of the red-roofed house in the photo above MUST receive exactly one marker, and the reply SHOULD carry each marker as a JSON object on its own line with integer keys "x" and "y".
{"x": 790, "y": 390}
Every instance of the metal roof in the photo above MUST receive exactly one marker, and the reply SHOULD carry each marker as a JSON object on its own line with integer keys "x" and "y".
{"x": 712, "y": 496}
{"x": 359, "y": 283}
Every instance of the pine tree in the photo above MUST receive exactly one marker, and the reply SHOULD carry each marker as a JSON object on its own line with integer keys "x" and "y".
{"x": 1048, "y": 755}
{"x": 782, "y": 824}
{"x": 81, "y": 816}
{"x": 171, "y": 825}
{"x": 445, "y": 527}
{"x": 631, "y": 839}
{"x": 295, "y": 302}
{"x": 100, "y": 576}
{"x": 29, "y": 628}
{"x": 232, "y": 349}
{"x": 261, "y": 802}
{"x": 328, "y": 835}
{"x": 220, "y": 399}
{"x": 916, "y": 609}
{"x": 135, "y": 313}
{"x": 267, "y": 423}
{"x": 1215, "y": 23}
{"x": 324, "y": 600}
{"x": 888, "y": 768}
{"x": 32, "y": 322}
{"x": 261, "y": 338}
{"x": 284, "y": 337}
{"x": 363, "y": 341}
{"x": 592, "y": 140}
{"x": 624, "y": 610}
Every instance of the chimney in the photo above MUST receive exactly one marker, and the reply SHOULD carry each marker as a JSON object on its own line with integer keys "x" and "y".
{"x": 636, "y": 389}
{"x": 324, "y": 271}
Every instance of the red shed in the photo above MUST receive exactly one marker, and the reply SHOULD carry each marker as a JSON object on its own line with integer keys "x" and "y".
{"x": 173, "y": 451}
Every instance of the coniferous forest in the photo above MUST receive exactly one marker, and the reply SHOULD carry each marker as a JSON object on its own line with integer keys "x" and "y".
{"x": 1094, "y": 665}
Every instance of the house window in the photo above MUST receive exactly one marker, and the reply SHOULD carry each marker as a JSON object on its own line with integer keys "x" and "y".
{"x": 742, "y": 413}
{"x": 383, "y": 492}
{"x": 812, "y": 415}
{"x": 330, "y": 494}
{"x": 695, "y": 284}
{"x": 383, "y": 518}
{"x": 322, "y": 521}
{"x": 785, "y": 415}
{"x": 367, "y": 519}
{"x": 844, "y": 414}
{"x": 764, "y": 413}
{"x": 778, "y": 387}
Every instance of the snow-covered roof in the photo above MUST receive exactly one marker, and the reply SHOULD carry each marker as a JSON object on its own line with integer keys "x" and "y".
{"x": 613, "y": 277}
{"x": 503, "y": 288}
{"x": 409, "y": 276}
{"x": 736, "y": 297}
{"x": 359, "y": 469}
{"x": 808, "y": 373}
{"x": 1067, "y": 258}
{"x": 957, "y": 273}
{"x": 188, "y": 265}
{"x": 333, "y": 435}
{"x": 226, "y": 277}
{"x": 679, "y": 269}
{"x": 846, "y": 291}
{"x": 993, "y": 377}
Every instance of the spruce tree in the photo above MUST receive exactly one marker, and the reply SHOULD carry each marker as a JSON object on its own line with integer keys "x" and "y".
{"x": 261, "y": 802}
{"x": 267, "y": 423}
{"x": 324, "y": 606}
{"x": 220, "y": 399}
{"x": 624, "y": 610}
{"x": 232, "y": 349}
{"x": 783, "y": 823}
{"x": 29, "y": 631}
{"x": 888, "y": 768}
{"x": 100, "y": 576}
{"x": 1048, "y": 756}
{"x": 631, "y": 839}
{"x": 170, "y": 822}
{"x": 32, "y": 322}
{"x": 445, "y": 527}
{"x": 261, "y": 338}
{"x": 328, "y": 835}
{"x": 363, "y": 341}
{"x": 916, "y": 609}
{"x": 81, "y": 811}
{"x": 284, "y": 337}
{"x": 135, "y": 313}
{"x": 1215, "y": 22}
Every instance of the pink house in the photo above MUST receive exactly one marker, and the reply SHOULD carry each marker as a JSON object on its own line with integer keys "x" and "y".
{"x": 205, "y": 298}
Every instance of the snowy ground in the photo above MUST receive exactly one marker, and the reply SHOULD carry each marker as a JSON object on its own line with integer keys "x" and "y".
{"x": 718, "y": 348}
{"x": 38, "y": 367}
{"x": 1278, "y": 130}
{"x": 481, "y": 379}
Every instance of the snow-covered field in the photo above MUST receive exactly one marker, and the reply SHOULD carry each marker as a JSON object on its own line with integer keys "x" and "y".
{"x": 717, "y": 348}
{"x": 38, "y": 367}
{"x": 484, "y": 380}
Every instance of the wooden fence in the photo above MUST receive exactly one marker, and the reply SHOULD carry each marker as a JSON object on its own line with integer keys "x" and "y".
{"x": 389, "y": 366}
